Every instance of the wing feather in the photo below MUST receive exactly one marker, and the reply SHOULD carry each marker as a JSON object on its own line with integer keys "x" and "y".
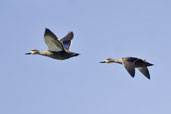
{"x": 130, "y": 67}
{"x": 52, "y": 41}
{"x": 144, "y": 71}
{"x": 67, "y": 40}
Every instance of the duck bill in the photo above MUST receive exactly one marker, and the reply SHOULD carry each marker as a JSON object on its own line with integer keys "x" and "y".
{"x": 27, "y": 53}
{"x": 76, "y": 54}
{"x": 102, "y": 62}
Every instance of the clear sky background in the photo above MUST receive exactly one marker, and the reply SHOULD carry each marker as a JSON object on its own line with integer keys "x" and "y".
{"x": 81, "y": 85}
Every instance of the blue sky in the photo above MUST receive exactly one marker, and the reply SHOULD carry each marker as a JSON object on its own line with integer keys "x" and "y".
{"x": 81, "y": 85}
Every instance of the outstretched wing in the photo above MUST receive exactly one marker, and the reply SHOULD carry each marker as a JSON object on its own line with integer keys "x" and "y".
{"x": 67, "y": 40}
{"x": 130, "y": 67}
{"x": 144, "y": 71}
{"x": 52, "y": 41}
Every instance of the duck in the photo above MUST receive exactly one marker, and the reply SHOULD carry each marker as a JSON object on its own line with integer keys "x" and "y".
{"x": 130, "y": 63}
{"x": 57, "y": 49}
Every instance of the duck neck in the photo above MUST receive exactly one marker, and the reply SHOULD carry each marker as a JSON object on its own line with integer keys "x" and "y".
{"x": 117, "y": 61}
{"x": 44, "y": 53}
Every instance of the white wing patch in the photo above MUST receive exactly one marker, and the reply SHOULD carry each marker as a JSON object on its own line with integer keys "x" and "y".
{"x": 53, "y": 44}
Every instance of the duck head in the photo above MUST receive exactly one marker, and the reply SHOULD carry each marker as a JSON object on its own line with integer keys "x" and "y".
{"x": 33, "y": 52}
{"x": 108, "y": 60}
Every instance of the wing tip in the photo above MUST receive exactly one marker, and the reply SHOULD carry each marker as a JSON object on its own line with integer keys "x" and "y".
{"x": 71, "y": 33}
{"x": 147, "y": 76}
{"x": 132, "y": 75}
{"x": 47, "y": 31}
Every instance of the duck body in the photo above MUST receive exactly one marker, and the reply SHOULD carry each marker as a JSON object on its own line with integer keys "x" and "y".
{"x": 130, "y": 63}
{"x": 61, "y": 55}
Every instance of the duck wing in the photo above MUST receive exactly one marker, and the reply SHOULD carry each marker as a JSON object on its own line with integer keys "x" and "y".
{"x": 130, "y": 67}
{"x": 144, "y": 71}
{"x": 52, "y": 41}
{"x": 67, "y": 40}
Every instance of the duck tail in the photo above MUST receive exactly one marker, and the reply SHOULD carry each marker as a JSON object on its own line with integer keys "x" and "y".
{"x": 76, "y": 54}
{"x": 149, "y": 64}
